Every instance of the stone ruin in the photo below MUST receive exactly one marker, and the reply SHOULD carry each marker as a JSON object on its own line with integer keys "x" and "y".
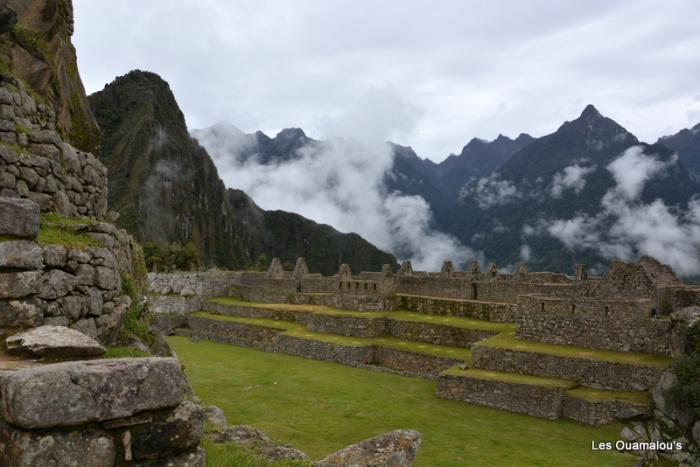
{"x": 64, "y": 275}
{"x": 595, "y": 349}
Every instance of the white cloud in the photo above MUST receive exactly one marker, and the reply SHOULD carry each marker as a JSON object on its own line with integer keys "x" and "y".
{"x": 340, "y": 182}
{"x": 572, "y": 177}
{"x": 491, "y": 190}
{"x": 525, "y": 253}
{"x": 633, "y": 168}
{"x": 627, "y": 228}
{"x": 267, "y": 65}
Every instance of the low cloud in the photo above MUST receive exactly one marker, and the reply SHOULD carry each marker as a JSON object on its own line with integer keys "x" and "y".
{"x": 340, "y": 182}
{"x": 572, "y": 178}
{"x": 627, "y": 228}
{"x": 491, "y": 191}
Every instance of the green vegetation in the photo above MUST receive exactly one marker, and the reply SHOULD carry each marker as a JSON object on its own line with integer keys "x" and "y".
{"x": 21, "y": 129}
{"x": 55, "y": 218}
{"x": 299, "y": 331}
{"x": 451, "y": 299}
{"x": 507, "y": 340}
{"x": 685, "y": 394}
{"x": 133, "y": 325}
{"x": 57, "y": 236}
{"x": 453, "y": 321}
{"x": 31, "y": 42}
{"x": 230, "y": 454}
{"x": 172, "y": 257}
{"x": 510, "y": 377}
{"x": 590, "y": 394}
{"x": 124, "y": 352}
{"x": 320, "y": 407}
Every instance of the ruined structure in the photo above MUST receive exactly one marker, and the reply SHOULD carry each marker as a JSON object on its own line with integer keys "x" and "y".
{"x": 550, "y": 345}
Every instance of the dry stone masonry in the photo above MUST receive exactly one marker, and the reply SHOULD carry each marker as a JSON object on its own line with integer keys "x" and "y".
{"x": 582, "y": 347}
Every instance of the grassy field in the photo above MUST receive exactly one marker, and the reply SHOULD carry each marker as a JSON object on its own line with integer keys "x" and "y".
{"x": 320, "y": 407}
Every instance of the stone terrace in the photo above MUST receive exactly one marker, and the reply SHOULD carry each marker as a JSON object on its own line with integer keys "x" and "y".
{"x": 548, "y": 345}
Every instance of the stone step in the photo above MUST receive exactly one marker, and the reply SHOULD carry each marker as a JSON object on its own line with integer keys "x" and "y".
{"x": 606, "y": 369}
{"x": 598, "y": 407}
{"x": 535, "y": 396}
{"x": 498, "y": 312}
{"x": 407, "y": 357}
{"x": 432, "y": 329}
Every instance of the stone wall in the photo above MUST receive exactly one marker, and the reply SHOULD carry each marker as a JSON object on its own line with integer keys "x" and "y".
{"x": 174, "y": 304}
{"x": 36, "y": 163}
{"x": 46, "y": 283}
{"x": 537, "y": 401}
{"x": 50, "y": 415}
{"x": 601, "y": 412}
{"x": 202, "y": 284}
{"x": 616, "y": 376}
{"x": 622, "y": 325}
{"x": 488, "y": 311}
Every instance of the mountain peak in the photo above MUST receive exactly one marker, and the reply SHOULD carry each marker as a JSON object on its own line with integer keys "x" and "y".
{"x": 590, "y": 112}
{"x": 291, "y": 134}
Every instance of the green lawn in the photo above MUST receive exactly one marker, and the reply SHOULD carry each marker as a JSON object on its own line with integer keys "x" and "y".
{"x": 320, "y": 407}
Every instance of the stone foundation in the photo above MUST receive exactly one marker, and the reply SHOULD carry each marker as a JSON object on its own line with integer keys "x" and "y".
{"x": 487, "y": 311}
{"x": 587, "y": 372}
{"x": 601, "y": 412}
{"x": 537, "y": 401}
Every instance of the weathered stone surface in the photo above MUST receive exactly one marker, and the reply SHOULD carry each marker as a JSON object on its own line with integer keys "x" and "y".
{"x": 240, "y": 434}
{"x": 21, "y": 254}
{"x": 55, "y": 256}
{"x": 215, "y": 417}
{"x": 76, "y": 448}
{"x": 106, "y": 278}
{"x": 19, "y": 217}
{"x": 667, "y": 380}
{"x": 87, "y": 327}
{"x": 54, "y": 341}
{"x": 178, "y": 431}
{"x": 696, "y": 433}
{"x": 18, "y": 284}
{"x": 73, "y": 393}
{"x": 280, "y": 453}
{"x": 194, "y": 458}
{"x": 55, "y": 284}
{"x": 19, "y": 313}
{"x": 393, "y": 449}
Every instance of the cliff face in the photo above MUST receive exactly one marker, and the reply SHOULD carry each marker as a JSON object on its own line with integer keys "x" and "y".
{"x": 37, "y": 49}
{"x": 167, "y": 189}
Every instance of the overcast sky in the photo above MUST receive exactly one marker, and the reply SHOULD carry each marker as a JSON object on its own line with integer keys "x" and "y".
{"x": 441, "y": 71}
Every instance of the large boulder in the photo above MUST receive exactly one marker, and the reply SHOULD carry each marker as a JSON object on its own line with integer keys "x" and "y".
{"x": 393, "y": 449}
{"x": 20, "y": 254}
{"x": 19, "y": 217}
{"x": 54, "y": 342}
{"x": 70, "y": 448}
{"x": 73, "y": 393}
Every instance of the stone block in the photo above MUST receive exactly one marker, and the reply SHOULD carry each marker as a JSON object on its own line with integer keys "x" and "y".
{"x": 19, "y": 217}
{"x": 20, "y": 254}
{"x": 395, "y": 448}
{"x": 54, "y": 342}
{"x": 18, "y": 284}
{"x": 73, "y": 393}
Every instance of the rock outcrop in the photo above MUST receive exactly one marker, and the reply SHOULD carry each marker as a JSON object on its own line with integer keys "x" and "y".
{"x": 167, "y": 190}
{"x": 99, "y": 413}
{"x": 393, "y": 449}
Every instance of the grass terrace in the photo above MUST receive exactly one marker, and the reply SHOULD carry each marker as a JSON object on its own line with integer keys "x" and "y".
{"x": 590, "y": 394}
{"x": 320, "y": 407}
{"x": 507, "y": 340}
{"x": 452, "y": 321}
{"x": 510, "y": 377}
{"x": 300, "y": 331}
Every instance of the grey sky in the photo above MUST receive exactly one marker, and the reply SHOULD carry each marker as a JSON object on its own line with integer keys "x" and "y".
{"x": 440, "y": 72}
